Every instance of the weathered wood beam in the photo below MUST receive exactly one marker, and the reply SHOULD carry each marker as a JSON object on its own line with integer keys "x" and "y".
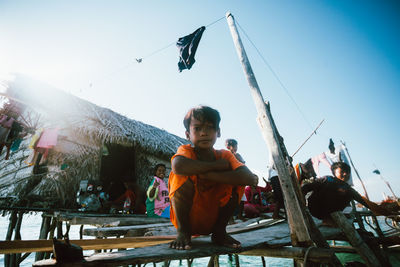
{"x": 315, "y": 254}
{"x": 19, "y": 246}
{"x": 355, "y": 240}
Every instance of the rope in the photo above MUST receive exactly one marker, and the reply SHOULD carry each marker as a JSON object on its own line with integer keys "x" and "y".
{"x": 275, "y": 75}
{"x": 306, "y": 255}
{"x": 140, "y": 60}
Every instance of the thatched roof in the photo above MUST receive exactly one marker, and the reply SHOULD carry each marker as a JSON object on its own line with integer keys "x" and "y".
{"x": 87, "y": 127}
{"x": 95, "y": 124}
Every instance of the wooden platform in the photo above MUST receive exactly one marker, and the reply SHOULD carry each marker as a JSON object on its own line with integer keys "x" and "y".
{"x": 273, "y": 236}
{"x": 75, "y": 218}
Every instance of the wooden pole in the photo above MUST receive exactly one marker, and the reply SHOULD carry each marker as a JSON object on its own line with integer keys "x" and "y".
{"x": 355, "y": 170}
{"x": 298, "y": 227}
{"x": 355, "y": 240}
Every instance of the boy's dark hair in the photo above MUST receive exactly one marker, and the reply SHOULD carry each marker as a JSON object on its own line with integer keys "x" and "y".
{"x": 202, "y": 113}
{"x": 231, "y": 142}
{"x": 158, "y": 165}
{"x": 342, "y": 165}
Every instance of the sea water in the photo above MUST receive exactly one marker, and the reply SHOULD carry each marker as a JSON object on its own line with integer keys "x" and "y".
{"x": 30, "y": 230}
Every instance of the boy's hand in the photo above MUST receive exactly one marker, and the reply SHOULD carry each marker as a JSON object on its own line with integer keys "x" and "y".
{"x": 156, "y": 183}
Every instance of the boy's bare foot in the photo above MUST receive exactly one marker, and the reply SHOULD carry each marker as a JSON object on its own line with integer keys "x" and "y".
{"x": 182, "y": 242}
{"x": 224, "y": 239}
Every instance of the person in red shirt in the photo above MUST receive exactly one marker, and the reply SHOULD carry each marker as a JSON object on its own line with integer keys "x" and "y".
{"x": 254, "y": 204}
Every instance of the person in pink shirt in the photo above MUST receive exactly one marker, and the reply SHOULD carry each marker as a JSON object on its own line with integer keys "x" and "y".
{"x": 157, "y": 202}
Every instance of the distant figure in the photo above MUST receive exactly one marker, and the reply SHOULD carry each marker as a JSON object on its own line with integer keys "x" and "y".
{"x": 232, "y": 145}
{"x": 130, "y": 201}
{"x": 332, "y": 193}
{"x": 205, "y": 184}
{"x": 157, "y": 202}
{"x": 254, "y": 205}
{"x": 277, "y": 191}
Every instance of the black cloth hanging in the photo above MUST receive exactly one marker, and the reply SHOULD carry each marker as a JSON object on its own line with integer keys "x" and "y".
{"x": 331, "y": 146}
{"x": 187, "y": 46}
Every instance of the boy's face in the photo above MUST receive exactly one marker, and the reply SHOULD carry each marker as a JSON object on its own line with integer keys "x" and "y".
{"x": 342, "y": 174}
{"x": 202, "y": 134}
{"x": 160, "y": 173}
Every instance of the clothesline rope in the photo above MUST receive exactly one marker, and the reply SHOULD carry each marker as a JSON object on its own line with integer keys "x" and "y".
{"x": 140, "y": 59}
{"x": 276, "y": 76}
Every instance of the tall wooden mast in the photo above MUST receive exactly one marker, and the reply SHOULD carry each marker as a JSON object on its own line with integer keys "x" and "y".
{"x": 298, "y": 225}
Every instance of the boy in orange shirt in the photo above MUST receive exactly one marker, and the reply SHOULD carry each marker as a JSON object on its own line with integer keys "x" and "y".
{"x": 205, "y": 185}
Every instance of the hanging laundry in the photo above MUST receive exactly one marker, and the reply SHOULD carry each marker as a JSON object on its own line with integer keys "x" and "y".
{"x": 331, "y": 146}
{"x": 35, "y": 139}
{"x": 339, "y": 156}
{"x": 317, "y": 160}
{"x": 16, "y": 144}
{"x": 48, "y": 139}
{"x": 187, "y": 48}
{"x": 6, "y": 121}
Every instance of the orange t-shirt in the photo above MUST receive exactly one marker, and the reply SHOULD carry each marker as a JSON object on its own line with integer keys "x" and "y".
{"x": 209, "y": 196}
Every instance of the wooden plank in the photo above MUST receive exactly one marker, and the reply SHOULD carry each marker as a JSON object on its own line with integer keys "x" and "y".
{"x": 121, "y": 230}
{"x": 8, "y": 247}
{"x": 277, "y": 235}
{"x": 320, "y": 255}
{"x": 18, "y": 246}
{"x": 104, "y": 219}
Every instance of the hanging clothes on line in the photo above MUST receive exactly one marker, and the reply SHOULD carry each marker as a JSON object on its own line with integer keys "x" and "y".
{"x": 187, "y": 48}
{"x": 339, "y": 155}
{"x": 47, "y": 140}
{"x": 316, "y": 160}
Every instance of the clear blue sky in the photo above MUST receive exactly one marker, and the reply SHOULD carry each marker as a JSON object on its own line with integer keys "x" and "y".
{"x": 339, "y": 60}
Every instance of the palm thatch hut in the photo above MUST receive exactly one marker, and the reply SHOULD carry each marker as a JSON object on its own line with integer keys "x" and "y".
{"x": 94, "y": 143}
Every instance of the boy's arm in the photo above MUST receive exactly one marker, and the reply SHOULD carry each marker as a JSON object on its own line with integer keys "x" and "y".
{"x": 375, "y": 208}
{"x": 239, "y": 176}
{"x": 185, "y": 166}
{"x": 305, "y": 188}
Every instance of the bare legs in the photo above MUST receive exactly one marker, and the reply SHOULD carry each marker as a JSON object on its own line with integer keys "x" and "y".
{"x": 182, "y": 202}
{"x": 219, "y": 235}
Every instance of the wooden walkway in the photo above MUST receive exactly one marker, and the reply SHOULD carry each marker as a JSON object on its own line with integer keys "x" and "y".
{"x": 274, "y": 236}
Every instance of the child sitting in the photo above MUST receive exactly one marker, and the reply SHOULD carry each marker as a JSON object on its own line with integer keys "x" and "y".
{"x": 157, "y": 202}
{"x": 254, "y": 205}
{"x": 205, "y": 184}
{"x": 331, "y": 194}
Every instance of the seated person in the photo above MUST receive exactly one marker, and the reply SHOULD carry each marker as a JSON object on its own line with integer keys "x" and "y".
{"x": 205, "y": 185}
{"x": 277, "y": 192}
{"x": 232, "y": 146}
{"x": 254, "y": 204}
{"x": 332, "y": 193}
{"x": 157, "y": 202}
{"x": 129, "y": 201}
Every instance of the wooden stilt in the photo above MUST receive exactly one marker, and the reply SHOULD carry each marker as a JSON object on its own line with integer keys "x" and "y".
{"x": 11, "y": 226}
{"x": 81, "y": 232}
{"x": 263, "y": 261}
{"x": 355, "y": 240}
{"x": 59, "y": 230}
{"x": 44, "y": 230}
{"x": 17, "y": 235}
{"x": 237, "y": 262}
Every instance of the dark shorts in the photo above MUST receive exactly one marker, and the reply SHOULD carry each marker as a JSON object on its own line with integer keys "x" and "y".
{"x": 276, "y": 187}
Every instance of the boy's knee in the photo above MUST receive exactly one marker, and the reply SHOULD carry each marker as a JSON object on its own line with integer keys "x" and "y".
{"x": 185, "y": 192}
